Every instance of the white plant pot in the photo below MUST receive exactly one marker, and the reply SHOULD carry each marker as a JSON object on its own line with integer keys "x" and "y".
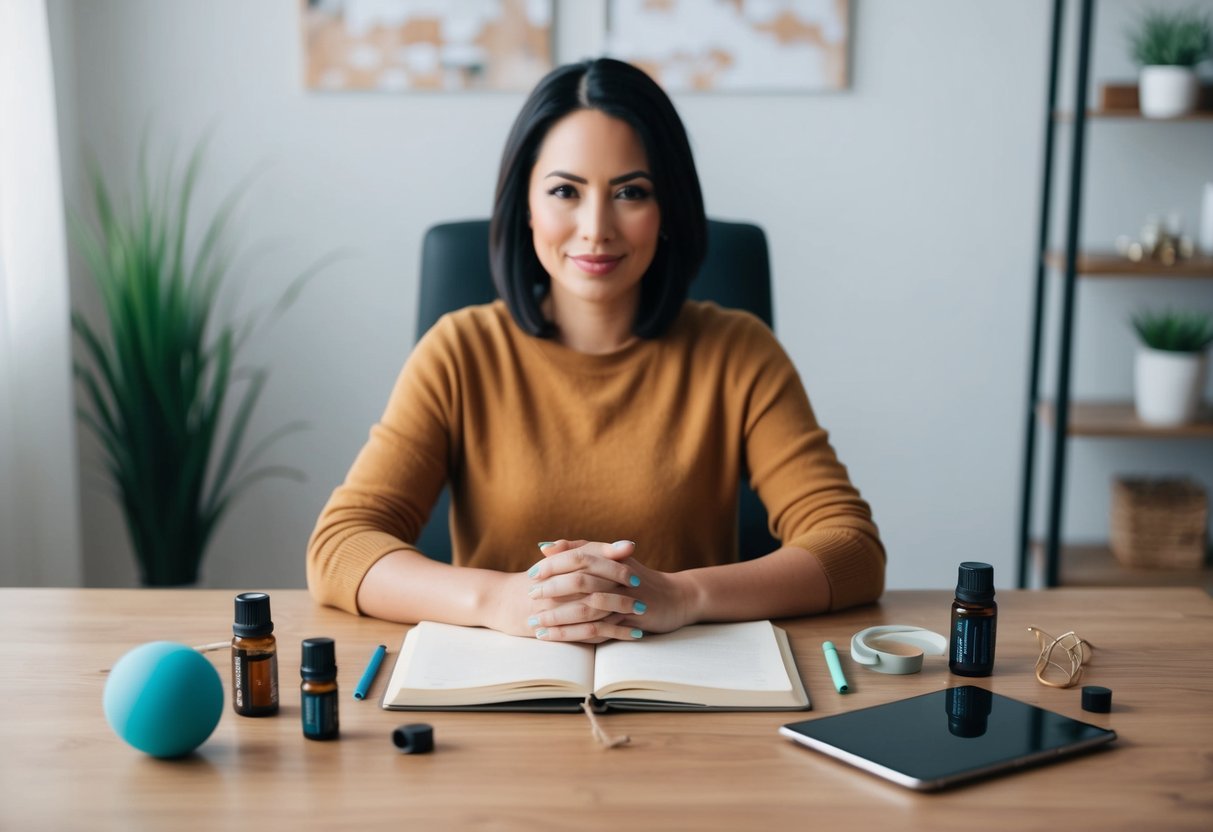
{"x": 1167, "y": 91}
{"x": 1169, "y": 386}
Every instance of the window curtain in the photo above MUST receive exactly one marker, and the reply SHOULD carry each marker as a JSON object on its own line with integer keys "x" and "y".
{"x": 39, "y": 506}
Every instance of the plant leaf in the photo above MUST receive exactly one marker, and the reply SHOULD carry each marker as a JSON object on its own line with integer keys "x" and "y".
{"x": 157, "y": 376}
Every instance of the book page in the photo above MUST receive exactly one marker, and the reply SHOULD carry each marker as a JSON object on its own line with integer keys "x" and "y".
{"x": 739, "y": 658}
{"x": 443, "y": 664}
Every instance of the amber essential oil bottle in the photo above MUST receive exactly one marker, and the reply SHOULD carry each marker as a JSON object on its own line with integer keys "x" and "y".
{"x": 254, "y": 657}
{"x": 318, "y": 690}
{"x": 974, "y": 621}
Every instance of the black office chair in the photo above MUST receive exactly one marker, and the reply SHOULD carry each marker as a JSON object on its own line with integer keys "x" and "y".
{"x": 455, "y": 273}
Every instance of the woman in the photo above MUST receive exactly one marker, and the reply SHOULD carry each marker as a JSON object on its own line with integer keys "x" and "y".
{"x": 595, "y": 403}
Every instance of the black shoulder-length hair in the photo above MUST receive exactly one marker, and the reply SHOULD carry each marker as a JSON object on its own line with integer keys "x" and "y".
{"x": 624, "y": 92}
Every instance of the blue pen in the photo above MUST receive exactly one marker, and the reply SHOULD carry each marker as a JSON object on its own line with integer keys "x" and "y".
{"x": 368, "y": 675}
{"x": 840, "y": 681}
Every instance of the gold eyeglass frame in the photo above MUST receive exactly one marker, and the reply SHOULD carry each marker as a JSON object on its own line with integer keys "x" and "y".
{"x": 1075, "y": 650}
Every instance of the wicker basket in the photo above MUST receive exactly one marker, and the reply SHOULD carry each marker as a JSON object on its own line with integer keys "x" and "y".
{"x": 1159, "y": 523}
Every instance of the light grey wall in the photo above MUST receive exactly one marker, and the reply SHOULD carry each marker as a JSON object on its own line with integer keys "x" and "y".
{"x": 39, "y": 517}
{"x": 901, "y": 215}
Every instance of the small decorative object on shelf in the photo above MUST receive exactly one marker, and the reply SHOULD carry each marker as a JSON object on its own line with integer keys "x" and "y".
{"x": 1165, "y": 244}
{"x": 1168, "y": 45}
{"x": 1169, "y": 374}
{"x": 1160, "y": 523}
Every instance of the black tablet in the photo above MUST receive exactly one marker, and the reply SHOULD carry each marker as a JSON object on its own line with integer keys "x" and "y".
{"x": 946, "y": 737}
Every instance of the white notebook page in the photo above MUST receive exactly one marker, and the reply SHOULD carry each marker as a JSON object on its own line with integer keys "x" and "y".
{"x": 444, "y": 656}
{"x": 742, "y": 656}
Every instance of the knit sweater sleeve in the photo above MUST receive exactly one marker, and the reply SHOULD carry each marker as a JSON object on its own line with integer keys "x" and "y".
{"x": 395, "y": 480}
{"x": 808, "y": 494}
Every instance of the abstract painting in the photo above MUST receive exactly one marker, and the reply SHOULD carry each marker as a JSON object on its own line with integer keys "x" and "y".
{"x": 734, "y": 45}
{"x": 404, "y": 45}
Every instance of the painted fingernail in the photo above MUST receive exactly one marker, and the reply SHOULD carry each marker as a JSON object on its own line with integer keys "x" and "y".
{"x": 533, "y": 572}
{"x": 547, "y": 543}
{"x": 637, "y": 633}
{"x": 535, "y": 590}
{"x": 543, "y": 633}
{"x": 634, "y": 580}
{"x": 533, "y": 621}
{"x": 620, "y": 545}
{"x": 639, "y": 607}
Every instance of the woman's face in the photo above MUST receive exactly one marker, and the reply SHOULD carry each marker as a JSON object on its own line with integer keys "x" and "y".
{"x": 594, "y": 216}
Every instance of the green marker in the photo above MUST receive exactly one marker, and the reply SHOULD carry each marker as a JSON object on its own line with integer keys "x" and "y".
{"x": 840, "y": 681}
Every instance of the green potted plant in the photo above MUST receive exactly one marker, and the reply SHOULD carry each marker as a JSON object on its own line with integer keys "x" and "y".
{"x": 1169, "y": 374}
{"x": 1168, "y": 45}
{"x": 161, "y": 388}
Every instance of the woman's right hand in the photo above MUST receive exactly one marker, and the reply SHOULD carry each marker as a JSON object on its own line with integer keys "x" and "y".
{"x": 583, "y": 592}
{"x": 519, "y": 610}
{"x": 511, "y": 607}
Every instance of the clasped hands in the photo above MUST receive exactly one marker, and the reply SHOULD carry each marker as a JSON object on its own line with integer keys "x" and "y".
{"x": 591, "y": 592}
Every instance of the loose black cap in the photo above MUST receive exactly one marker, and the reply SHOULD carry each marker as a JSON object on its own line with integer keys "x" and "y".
{"x": 252, "y": 615}
{"x": 1096, "y": 699}
{"x": 319, "y": 659}
{"x": 975, "y": 582}
{"x": 414, "y": 738}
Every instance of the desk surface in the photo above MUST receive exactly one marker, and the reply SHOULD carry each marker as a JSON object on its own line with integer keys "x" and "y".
{"x": 62, "y": 768}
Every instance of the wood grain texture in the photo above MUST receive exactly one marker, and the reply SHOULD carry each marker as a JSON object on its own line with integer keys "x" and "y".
{"x": 1119, "y": 419}
{"x": 1111, "y": 265}
{"x": 62, "y": 768}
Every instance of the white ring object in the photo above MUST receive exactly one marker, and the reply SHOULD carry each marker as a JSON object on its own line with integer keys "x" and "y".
{"x": 896, "y": 648}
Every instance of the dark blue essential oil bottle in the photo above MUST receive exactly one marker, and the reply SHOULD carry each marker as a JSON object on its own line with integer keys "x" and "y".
{"x": 318, "y": 690}
{"x": 974, "y": 621}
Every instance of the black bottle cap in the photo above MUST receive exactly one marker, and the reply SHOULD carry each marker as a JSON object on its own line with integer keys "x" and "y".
{"x": 414, "y": 738}
{"x": 975, "y": 582}
{"x": 1096, "y": 699}
{"x": 319, "y": 659}
{"x": 252, "y": 615}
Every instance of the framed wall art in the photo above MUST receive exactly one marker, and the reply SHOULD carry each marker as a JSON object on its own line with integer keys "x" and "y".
{"x": 780, "y": 46}
{"x": 404, "y": 45}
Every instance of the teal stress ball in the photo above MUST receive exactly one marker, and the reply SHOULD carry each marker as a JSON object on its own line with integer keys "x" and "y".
{"x": 163, "y": 698}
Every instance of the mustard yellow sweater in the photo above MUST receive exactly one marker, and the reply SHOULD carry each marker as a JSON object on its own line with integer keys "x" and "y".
{"x": 540, "y": 442}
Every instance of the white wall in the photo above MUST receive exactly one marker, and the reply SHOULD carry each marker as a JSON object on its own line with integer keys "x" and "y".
{"x": 901, "y": 214}
{"x": 39, "y": 515}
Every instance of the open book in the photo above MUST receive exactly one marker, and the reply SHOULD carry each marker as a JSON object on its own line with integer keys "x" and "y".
{"x": 746, "y": 666}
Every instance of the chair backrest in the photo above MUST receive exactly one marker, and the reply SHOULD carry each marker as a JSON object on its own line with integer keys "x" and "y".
{"x": 455, "y": 273}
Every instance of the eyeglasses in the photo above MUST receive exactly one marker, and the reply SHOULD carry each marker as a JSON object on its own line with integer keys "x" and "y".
{"x": 1060, "y": 662}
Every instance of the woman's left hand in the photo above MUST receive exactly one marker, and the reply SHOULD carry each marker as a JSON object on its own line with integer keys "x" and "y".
{"x": 660, "y": 602}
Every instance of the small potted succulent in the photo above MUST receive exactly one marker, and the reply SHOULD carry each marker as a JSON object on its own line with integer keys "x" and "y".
{"x": 1168, "y": 45}
{"x": 1169, "y": 375}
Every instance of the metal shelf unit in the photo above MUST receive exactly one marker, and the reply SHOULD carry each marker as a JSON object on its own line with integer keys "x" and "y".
{"x": 1059, "y": 413}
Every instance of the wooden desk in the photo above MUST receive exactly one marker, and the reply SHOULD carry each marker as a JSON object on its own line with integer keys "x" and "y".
{"x": 62, "y": 768}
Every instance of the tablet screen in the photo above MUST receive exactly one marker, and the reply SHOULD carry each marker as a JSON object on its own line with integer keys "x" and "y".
{"x": 940, "y": 738}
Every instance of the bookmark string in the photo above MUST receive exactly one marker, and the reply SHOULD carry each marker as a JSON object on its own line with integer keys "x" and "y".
{"x": 599, "y": 732}
{"x": 213, "y": 646}
{"x": 201, "y": 648}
